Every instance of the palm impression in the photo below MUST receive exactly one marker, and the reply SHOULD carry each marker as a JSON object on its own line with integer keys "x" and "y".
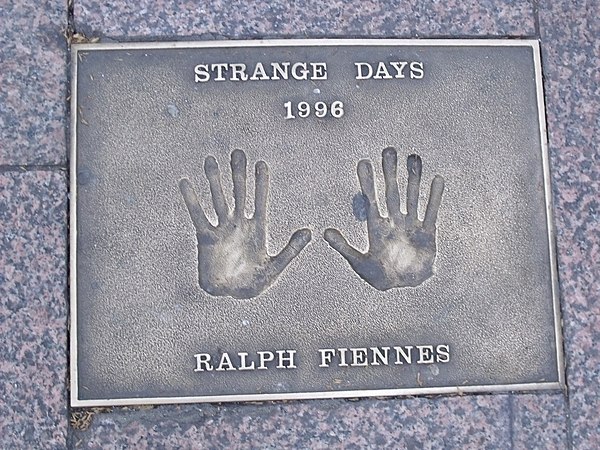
{"x": 402, "y": 248}
{"x": 232, "y": 256}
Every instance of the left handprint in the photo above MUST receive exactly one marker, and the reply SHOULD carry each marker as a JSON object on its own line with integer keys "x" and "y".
{"x": 232, "y": 256}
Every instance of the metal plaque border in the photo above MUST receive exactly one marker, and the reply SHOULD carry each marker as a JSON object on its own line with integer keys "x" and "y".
{"x": 459, "y": 390}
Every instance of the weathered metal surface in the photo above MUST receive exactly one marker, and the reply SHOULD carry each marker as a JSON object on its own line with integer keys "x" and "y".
{"x": 396, "y": 240}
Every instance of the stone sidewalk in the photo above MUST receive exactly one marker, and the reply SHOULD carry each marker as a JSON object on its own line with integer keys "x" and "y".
{"x": 34, "y": 410}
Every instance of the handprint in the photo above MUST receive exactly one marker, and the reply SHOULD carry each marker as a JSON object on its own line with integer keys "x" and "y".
{"x": 402, "y": 248}
{"x": 232, "y": 256}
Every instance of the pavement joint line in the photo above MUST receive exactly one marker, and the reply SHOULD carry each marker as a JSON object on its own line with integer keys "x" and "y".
{"x": 217, "y": 36}
{"x": 536, "y": 18}
{"x": 4, "y": 168}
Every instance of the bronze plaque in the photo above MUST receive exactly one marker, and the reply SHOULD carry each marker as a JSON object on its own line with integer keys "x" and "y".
{"x": 263, "y": 220}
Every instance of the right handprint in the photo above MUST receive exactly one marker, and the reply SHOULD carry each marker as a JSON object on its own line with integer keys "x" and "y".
{"x": 402, "y": 248}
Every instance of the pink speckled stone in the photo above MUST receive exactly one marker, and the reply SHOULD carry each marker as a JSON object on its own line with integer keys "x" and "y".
{"x": 480, "y": 422}
{"x": 539, "y": 421}
{"x": 571, "y": 52}
{"x": 33, "y": 310}
{"x": 527, "y": 421}
{"x": 33, "y": 77}
{"x": 302, "y": 18}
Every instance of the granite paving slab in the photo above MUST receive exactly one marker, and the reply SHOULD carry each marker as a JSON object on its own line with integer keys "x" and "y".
{"x": 570, "y": 33}
{"x": 527, "y": 421}
{"x": 539, "y": 421}
{"x": 458, "y": 422}
{"x": 33, "y": 76}
{"x": 33, "y": 309}
{"x": 150, "y": 20}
